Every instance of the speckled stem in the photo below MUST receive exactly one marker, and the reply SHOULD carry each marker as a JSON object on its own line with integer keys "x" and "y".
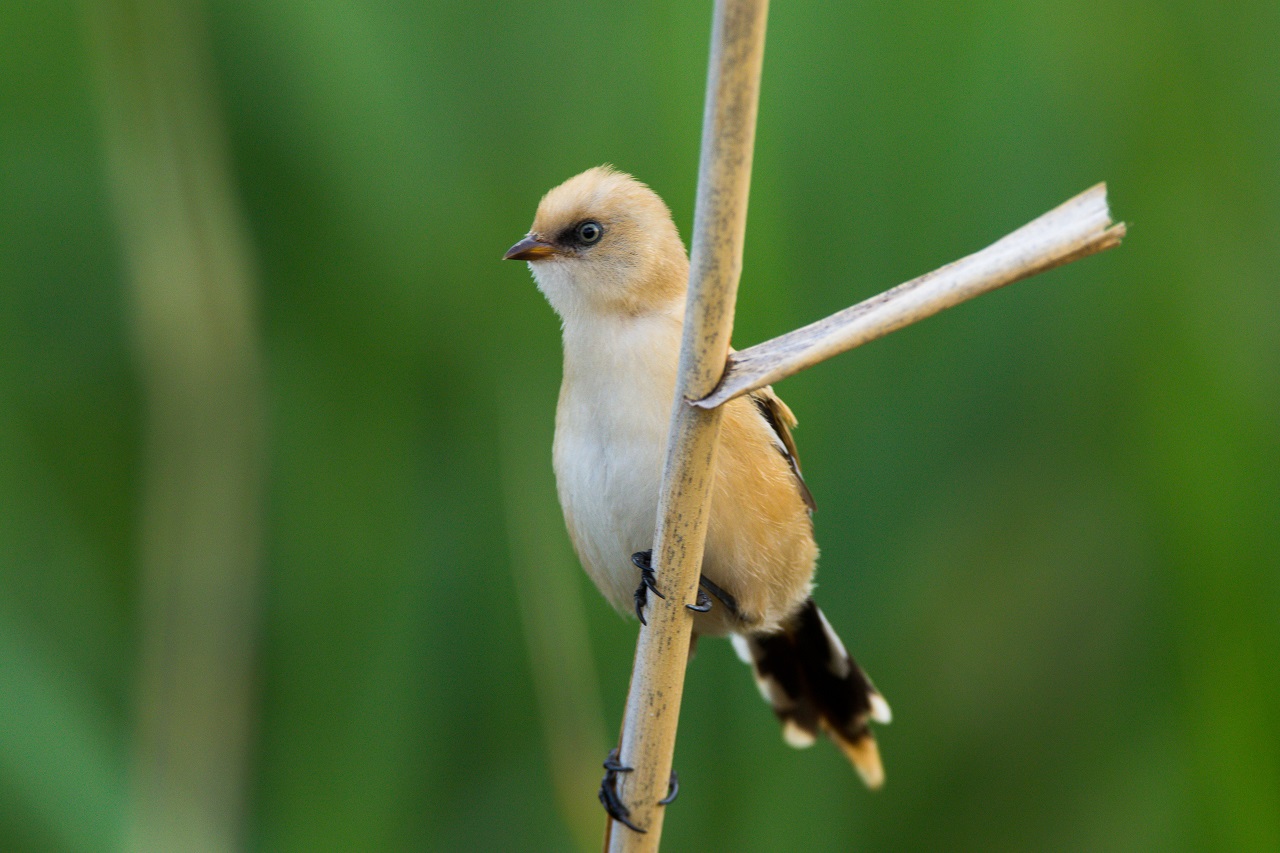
{"x": 724, "y": 177}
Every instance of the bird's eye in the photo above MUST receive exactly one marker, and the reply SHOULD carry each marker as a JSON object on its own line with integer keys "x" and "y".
{"x": 588, "y": 232}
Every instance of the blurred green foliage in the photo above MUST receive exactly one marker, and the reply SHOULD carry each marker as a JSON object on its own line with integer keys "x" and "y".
{"x": 1049, "y": 518}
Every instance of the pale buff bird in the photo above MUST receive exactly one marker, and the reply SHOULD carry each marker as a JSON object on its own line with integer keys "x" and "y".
{"x": 606, "y": 254}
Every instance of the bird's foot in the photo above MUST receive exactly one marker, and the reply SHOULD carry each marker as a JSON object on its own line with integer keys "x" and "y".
{"x": 643, "y": 560}
{"x": 703, "y": 604}
{"x": 609, "y": 791}
{"x": 725, "y": 598}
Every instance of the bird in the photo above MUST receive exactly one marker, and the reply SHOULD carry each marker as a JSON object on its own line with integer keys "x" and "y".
{"x": 605, "y": 252}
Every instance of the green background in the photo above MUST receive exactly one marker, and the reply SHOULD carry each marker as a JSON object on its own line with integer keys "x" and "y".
{"x": 1050, "y": 518}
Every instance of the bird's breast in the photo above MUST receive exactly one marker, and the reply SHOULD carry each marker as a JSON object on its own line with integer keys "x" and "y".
{"x": 611, "y": 432}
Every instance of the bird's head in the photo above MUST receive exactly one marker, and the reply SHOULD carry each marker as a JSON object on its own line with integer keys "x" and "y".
{"x": 602, "y": 242}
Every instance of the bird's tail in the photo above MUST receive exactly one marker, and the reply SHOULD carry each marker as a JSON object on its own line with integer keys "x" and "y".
{"x": 804, "y": 672}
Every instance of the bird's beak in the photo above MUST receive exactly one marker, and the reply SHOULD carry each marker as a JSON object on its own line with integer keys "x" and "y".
{"x": 529, "y": 249}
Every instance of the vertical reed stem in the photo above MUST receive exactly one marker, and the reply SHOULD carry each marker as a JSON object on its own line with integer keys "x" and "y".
{"x": 724, "y": 178}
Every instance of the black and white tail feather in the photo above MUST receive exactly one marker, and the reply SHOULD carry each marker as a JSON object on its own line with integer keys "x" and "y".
{"x": 804, "y": 672}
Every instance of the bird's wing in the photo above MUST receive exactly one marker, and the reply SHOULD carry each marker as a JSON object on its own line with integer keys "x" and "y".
{"x": 781, "y": 420}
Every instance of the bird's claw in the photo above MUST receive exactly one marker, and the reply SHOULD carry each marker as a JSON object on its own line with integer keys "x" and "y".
{"x": 673, "y": 790}
{"x": 725, "y": 598}
{"x": 643, "y": 560}
{"x": 609, "y": 791}
{"x": 703, "y": 604}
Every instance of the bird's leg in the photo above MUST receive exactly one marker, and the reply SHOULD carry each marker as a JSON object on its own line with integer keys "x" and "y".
{"x": 725, "y": 598}
{"x": 643, "y": 561}
{"x": 609, "y": 790}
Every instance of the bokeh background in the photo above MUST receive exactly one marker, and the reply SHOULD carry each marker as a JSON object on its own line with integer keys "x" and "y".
{"x": 281, "y": 564}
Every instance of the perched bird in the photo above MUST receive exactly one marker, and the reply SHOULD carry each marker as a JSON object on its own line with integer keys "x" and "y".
{"x": 604, "y": 251}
